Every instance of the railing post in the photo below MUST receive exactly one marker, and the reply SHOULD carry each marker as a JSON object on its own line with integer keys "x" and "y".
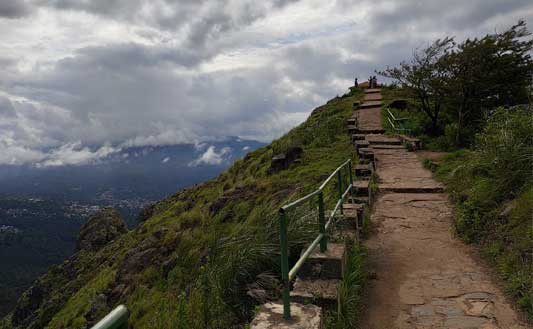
{"x": 351, "y": 177}
{"x": 322, "y": 222}
{"x": 284, "y": 264}
{"x": 339, "y": 178}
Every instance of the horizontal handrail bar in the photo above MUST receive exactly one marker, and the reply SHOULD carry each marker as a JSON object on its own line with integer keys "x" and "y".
{"x": 299, "y": 201}
{"x": 333, "y": 174}
{"x": 116, "y": 319}
{"x": 305, "y": 255}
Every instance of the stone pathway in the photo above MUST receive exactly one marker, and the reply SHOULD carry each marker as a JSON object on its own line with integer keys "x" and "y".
{"x": 424, "y": 277}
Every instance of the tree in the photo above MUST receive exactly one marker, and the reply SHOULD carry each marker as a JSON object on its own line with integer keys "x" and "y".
{"x": 486, "y": 73}
{"x": 425, "y": 77}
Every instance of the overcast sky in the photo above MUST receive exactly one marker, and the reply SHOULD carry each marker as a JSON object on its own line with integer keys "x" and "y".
{"x": 116, "y": 73}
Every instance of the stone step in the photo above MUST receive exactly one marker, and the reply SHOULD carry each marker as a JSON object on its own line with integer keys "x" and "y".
{"x": 366, "y": 153}
{"x": 387, "y": 147}
{"x": 383, "y": 140}
{"x": 369, "y": 162}
{"x": 399, "y": 188}
{"x": 361, "y": 144}
{"x": 361, "y": 187}
{"x": 367, "y": 131}
{"x": 353, "y": 129}
{"x": 371, "y": 104}
{"x": 353, "y": 216}
{"x": 270, "y": 316}
{"x": 344, "y": 235}
{"x": 358, "y": 137}
{"x": 363, "y": 170}
{"x": 372, "y": 90}
{"x": 415, "y": 143}
{"x": 351, "y": 121}
{"x": 324, "y": 265}
{"x": 318, "y": 292}
{"x": 372, "y": 97}
{"x": 360, "y": 199}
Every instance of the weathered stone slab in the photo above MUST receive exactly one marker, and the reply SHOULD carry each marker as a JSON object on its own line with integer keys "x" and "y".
{"x": 361, "y": 187}
{"x": 357, "y": 137}
{"x": 366, "y": 153}
{"x": 383, "y": 140}
{"x": 387, "y": 147}
{"x": 270, "y": 316}
{"x": 324, "y": 265}
{"x": 363, "y": 170}
{"x": 401, "y": 171}
{"x": 361, "y": 144}
{"x": 318, "y": 292}
{"x": 370, "y": 104}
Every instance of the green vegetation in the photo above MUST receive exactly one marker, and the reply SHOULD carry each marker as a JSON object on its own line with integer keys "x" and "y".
{"x": 492, "y": 187}
{"x": 191, "y": 264}
{"x": 345, "y": 314}
{"x": 455, "y": 86}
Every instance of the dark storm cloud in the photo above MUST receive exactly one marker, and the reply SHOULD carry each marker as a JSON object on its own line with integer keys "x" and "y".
{"x": 453, "y": 15}
{"x": 129, "y": 92}
{"x": 14, "y": 8}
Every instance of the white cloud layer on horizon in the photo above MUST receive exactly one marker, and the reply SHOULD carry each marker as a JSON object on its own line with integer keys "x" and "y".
{"x": 211, "y": 157}
{"x": 135, "y": 72}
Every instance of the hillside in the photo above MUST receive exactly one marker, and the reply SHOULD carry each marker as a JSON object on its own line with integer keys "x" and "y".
{"x": 190, "y": 262}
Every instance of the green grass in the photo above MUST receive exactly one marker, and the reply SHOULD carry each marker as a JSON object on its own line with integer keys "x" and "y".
{"x": 214, "y": 254}
{"x": 483, "y": 182}
{"x": 345, "y": 315}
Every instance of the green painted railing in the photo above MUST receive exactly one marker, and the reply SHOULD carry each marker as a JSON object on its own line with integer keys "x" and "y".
{"x": 323, "y": 223}
{"x": 116, "y": 319}
{"x": 398, "y": 123}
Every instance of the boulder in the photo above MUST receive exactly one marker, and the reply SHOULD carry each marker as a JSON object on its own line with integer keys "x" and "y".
{"x": 103, "y": 227}
{"x": 283, "y": 160}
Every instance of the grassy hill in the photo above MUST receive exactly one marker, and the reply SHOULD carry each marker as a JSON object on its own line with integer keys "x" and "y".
{"x": 193, "y": 259}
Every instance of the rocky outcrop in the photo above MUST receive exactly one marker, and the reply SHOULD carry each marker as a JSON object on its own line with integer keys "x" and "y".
{"x": 146, "y": 213}
{"x": 103, "y": 227}
{"x": 283, "y": 160}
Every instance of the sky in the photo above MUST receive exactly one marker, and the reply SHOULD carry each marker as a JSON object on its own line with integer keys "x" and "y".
{"x": 82, "y": 79}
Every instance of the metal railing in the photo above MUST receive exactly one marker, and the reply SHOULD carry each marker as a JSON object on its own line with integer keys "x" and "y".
{"x": 116, "y": 319}
{"x": 323, "y": 224}
{"x": 397, "y": 124}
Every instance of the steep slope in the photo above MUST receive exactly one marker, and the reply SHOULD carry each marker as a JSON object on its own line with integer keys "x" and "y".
{"x": 193, "y": 261}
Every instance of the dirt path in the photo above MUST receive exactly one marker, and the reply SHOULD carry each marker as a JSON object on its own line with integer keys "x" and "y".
{"x": 425, "y": 278}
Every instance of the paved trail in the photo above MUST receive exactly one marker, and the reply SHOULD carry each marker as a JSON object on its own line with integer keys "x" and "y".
{"x": 425, "y": 278}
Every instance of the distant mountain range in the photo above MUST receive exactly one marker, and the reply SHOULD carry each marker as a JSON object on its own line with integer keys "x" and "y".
{"x": 148, "y": 172}
{"x": 42, "y": 208}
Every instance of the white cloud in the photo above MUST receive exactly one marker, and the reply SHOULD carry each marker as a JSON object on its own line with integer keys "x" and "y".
{"x": 211, "y": 157}
{"x": 140, "y": 73}
{"x": 76, "y": 154}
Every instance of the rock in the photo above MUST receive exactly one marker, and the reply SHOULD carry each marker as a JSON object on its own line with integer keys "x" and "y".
{"x": 103, "y": 227}
{"x": 508, "y": 209}
{"x": 146, "y": 213}
{"x": 283, "y": 160}
{"x": 97, "y": 311}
